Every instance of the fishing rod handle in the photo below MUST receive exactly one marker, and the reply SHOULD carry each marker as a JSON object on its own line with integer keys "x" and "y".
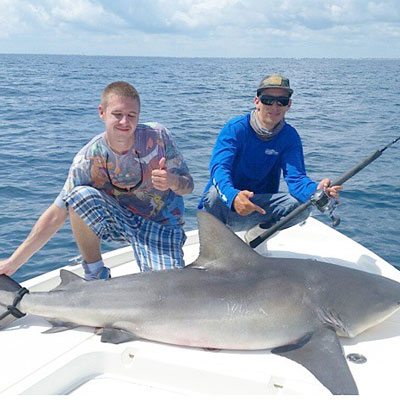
{"x": 274, "y": 228}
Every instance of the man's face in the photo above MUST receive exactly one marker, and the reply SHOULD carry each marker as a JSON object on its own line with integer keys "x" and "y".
{"x": 121, "y": 117}
{"x": 271, "y": 115}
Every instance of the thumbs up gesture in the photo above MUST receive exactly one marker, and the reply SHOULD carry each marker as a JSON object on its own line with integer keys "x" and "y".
{"x": 162, "y": 179}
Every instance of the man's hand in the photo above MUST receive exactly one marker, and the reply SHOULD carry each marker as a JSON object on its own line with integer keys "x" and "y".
{"x": 162, "y": 179}
{"x": 243, "y": 206}
{"x": 331, "y": 191}
{"x": 7, "y": 267}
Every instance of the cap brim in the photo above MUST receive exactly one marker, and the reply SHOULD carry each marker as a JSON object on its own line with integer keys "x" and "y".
{"x": 290, "y": 91}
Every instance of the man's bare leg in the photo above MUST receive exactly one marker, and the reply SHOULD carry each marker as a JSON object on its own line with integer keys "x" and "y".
{"x": 88, "y": 242}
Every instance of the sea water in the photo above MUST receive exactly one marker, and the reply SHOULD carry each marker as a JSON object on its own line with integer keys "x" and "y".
{"x": 343, "y": 109}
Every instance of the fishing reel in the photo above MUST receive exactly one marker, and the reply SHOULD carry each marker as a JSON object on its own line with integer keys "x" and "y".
{"x": 326, "y": 204}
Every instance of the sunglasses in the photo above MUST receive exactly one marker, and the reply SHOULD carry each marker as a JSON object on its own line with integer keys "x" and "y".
{"x": 281, "y": 101}
{"x": 125, "y": 190}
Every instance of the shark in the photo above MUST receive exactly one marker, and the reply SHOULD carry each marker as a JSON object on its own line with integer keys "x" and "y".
{"x": 230, "y": 298}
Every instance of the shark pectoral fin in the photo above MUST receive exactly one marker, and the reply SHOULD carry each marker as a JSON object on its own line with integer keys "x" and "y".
{"x": 323, "y": 356}
{"x": 60, "y": 326}
{"x": 116, "y": 336}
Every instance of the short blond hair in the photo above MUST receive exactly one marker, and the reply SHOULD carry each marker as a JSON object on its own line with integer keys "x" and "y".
{"x": 119, "y": 88}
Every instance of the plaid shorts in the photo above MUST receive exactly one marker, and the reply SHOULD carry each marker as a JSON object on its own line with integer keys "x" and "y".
{"x": 155, "y": 246}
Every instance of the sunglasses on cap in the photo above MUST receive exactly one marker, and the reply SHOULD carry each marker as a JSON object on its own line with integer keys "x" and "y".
{"x": 279, "y": 100}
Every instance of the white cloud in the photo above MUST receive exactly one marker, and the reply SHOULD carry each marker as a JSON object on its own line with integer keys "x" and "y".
{"x": 185, "y": 27}
{"x": 78, "y": 11}
{"x": 202, "y": 14}
{"x": 11, "y": 18}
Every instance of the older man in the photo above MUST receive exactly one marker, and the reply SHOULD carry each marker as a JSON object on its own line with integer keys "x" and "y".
{"x": 248, "y": 158}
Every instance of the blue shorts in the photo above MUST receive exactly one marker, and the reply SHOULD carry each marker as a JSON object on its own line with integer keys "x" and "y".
{"x": 155, "y": 246}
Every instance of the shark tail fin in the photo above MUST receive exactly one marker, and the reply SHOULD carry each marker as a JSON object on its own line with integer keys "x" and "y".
{"x": 11, "y": 292}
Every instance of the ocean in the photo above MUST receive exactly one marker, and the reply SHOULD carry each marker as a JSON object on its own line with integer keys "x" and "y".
{"x": 344, "y": 110}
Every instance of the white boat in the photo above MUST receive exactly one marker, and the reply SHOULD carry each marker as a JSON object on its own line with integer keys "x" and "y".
{"x": 75, "y": 362}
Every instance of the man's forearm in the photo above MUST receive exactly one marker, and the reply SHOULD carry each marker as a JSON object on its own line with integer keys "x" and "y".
{"x": 45, "y": 227}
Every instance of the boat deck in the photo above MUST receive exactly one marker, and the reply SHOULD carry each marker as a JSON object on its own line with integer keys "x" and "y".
{"x": 76, "y": 362}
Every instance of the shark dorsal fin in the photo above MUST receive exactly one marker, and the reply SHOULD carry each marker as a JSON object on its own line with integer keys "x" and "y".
{"x": 218, "y": 241}
{"x": 67, "y": 278}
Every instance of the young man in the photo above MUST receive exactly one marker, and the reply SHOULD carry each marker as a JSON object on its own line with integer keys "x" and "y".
{"x": 250, "y": 153}
{"x": 125, "y": 185}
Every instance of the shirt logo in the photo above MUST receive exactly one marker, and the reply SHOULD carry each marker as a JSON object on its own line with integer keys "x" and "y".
{"x": 271, "y": 152}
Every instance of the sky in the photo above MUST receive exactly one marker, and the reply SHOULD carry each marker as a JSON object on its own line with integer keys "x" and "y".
{"x": 202, "y": 28}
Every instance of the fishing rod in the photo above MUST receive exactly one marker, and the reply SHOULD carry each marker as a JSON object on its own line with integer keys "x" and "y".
{"x": 320, "y": 199}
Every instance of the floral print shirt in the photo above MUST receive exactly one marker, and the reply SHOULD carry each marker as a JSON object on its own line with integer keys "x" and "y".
{"x": 98, "y": 166}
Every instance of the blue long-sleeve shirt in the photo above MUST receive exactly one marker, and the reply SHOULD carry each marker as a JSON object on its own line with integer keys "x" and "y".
{"x": 242, "y": 161}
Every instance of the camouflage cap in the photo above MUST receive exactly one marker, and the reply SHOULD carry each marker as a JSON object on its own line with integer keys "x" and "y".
{"x": 274, "y": 81}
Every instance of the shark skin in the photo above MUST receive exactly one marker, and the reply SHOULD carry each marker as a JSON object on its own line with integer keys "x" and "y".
{"x": 229, "y": 298}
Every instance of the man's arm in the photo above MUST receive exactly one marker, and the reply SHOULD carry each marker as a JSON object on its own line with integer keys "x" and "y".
{"x": 299, "y": 184}
{"x": 43, "y": 230}
{"x": 221, "y": 165}
{"x": 172, "y": 172}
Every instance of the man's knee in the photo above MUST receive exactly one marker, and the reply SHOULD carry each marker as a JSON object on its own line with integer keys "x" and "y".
{"x": 290, "y": 205}
{"x": 214, "y": 205}
{"x": 82, "y": 193}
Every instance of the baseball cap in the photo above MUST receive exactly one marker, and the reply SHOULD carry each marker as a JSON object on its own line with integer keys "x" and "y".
{"x": 275, "y": 81}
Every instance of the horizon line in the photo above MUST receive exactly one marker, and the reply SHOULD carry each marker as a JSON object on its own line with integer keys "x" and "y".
{"x": 210, "y": 57}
